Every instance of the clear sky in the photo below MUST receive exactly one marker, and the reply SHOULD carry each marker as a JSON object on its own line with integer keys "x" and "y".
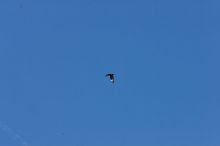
{"x": 54, "y": 55}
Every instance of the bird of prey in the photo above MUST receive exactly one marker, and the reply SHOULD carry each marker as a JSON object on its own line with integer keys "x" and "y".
{"x": 111, "y": 77}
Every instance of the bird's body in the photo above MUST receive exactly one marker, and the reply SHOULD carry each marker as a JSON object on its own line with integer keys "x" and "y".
{"x": 111, "y": 76}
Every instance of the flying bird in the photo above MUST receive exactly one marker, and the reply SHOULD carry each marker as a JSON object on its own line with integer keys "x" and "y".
{"x": 111, "y": 77}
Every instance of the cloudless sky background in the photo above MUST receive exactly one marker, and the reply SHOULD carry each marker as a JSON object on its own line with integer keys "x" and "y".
{"x": 54, "y": 55}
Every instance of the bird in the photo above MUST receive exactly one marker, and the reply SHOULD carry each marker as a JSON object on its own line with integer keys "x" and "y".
{"x": 111, "y": 77}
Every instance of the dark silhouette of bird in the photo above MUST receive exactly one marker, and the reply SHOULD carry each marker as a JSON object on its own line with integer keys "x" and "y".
{"x": 111, "y": 77}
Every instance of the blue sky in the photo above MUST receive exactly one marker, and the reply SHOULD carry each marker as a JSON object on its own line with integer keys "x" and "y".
{"x": 54, "y": 55}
